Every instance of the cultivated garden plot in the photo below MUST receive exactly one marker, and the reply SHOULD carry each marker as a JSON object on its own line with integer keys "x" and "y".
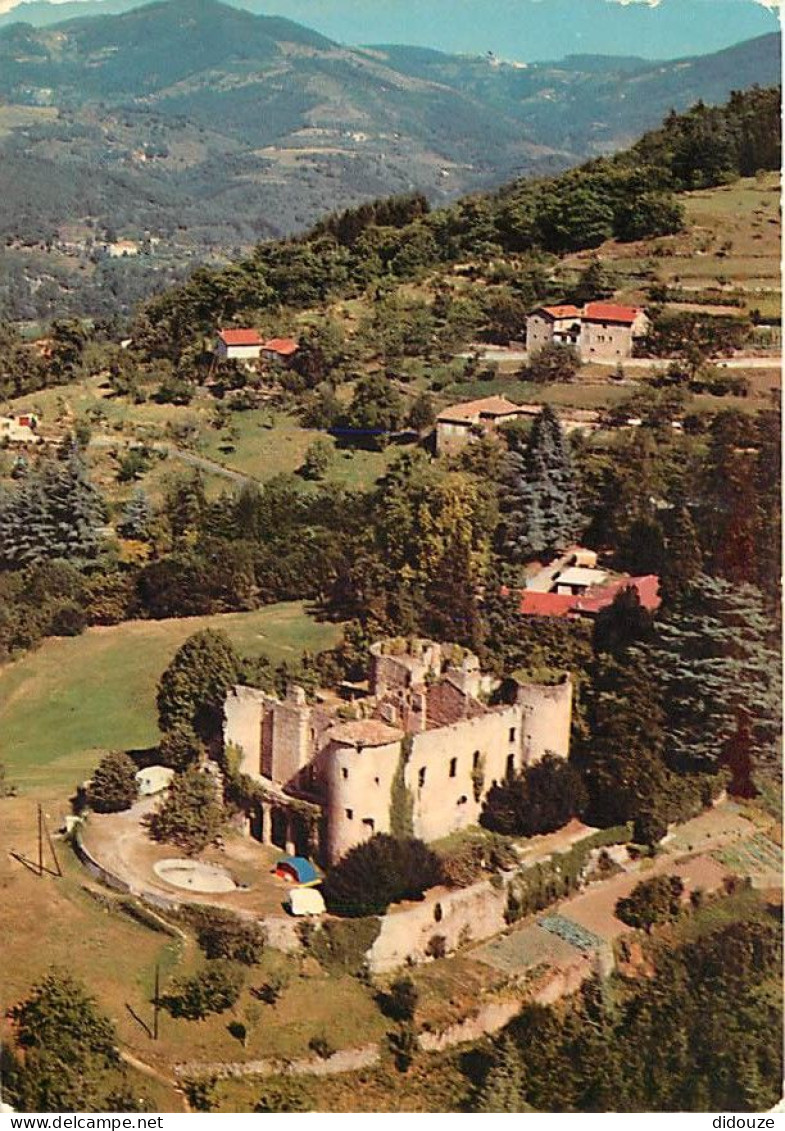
{"x": 759, "y": 858}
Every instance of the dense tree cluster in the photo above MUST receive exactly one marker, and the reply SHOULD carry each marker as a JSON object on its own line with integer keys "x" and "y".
{"x": 52, "y": 512}
{"x": 541, "y": 799}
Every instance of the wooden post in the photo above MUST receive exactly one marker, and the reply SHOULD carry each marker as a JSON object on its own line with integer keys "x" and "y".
{"x": 156, "y": 1004}
{"x": 40, "y": 840}
{"x": 50, "y": 842}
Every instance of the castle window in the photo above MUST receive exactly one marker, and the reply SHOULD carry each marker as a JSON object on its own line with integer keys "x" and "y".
{"x": 453, "y": 767}
{"x": 376, "y": 781}
{"x": 512, "y": 734}
{"x": 462, "y": 800}
{"x": 475, "y": 759}
{"x": 369, "y": 823}
{"x": 349, "y": 814}
{"x": 344, "y": 773}
{"x": 421, "y": 777}
{"x": 510, "y": 765}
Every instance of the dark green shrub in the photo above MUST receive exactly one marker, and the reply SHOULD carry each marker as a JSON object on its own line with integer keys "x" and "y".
{"x": 113, "y": 786}
{"x": 214, "y": 989}
{"x": 221, "y": 934}
{"x": 378, "y": 872}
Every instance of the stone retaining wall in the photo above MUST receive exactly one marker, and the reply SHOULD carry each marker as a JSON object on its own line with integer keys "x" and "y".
{"x": 458, "y": 916}
{"x": 345, "y": 1060}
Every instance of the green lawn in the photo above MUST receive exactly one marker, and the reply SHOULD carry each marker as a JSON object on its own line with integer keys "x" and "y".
{"x": 269, "y": 444}
{"x": 74, "y": 697}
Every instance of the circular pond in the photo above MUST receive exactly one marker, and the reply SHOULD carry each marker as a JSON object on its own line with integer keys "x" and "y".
{"x": 192, "y": 875}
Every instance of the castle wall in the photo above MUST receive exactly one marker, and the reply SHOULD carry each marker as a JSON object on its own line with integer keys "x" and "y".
{"x": 458, "y": 916}
{"x": 547, "y": 715}
{"x": 359, "y": 784}
{"x": 290, "y": 742}
{"x": 243, "y": 710}
{"x": 439, "y": 771}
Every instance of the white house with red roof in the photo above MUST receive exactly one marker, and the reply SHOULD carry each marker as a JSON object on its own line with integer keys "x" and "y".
{"x": 239, "y": 345}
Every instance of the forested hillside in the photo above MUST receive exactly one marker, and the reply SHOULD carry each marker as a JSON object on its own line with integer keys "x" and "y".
{"x": 631, "y": 196}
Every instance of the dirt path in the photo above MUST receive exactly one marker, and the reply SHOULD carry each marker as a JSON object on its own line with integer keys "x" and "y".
{"x": 155, "y": 1074}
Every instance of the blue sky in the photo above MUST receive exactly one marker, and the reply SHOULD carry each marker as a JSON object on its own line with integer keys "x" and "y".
{"x": 536, "y": 29}
{"x": 529, "y": 30}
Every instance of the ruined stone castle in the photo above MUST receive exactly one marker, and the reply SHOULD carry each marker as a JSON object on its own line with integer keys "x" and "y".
{"x": 423, "y": 737}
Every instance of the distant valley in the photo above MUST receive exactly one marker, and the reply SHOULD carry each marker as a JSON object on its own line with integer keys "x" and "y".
{"x": 182, "y": 131}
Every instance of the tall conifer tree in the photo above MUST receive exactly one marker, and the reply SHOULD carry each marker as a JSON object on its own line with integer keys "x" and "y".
{"x": 539, "y": 502}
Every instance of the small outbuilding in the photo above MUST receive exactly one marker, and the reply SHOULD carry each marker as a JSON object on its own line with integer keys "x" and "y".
{"x": 297, "y": 870}
{"x": 281, "y": 350}
{"x": 305, "y": 901}
{"x": 154, "y": 779}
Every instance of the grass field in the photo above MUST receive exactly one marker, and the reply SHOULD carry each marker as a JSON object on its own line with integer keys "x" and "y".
{"x": 732, "y": 238}
{"x": 260, "y": 443}
{"x": 74, "y": 697}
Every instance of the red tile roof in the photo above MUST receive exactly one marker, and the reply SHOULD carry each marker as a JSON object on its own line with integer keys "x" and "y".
{"x": 546, "y": 604}
{"x": 610, "y": 312}
{"x": 599, "y": 597}
{"x": 566, "y": 311}
{"x": 447, "y": 704}
{"x": 488, "y": 406}
{"x": 240, "y": 337}
{"x": 284, "y": 346}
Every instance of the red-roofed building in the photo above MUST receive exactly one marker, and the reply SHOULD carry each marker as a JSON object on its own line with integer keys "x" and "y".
{"x": 601, "y": 331}
{"x": 549, "y": 324}
{"x": 239, "y": 345}
{"x": 281, "y": 350}
{"x": 592, "y": 600}
{"x": 609, "y": 330}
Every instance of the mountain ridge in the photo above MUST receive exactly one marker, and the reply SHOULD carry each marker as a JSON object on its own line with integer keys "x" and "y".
{"x": 204, "y": 128}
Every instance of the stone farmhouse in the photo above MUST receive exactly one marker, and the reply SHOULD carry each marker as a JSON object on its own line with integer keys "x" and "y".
{"x": 601, "y": 331}
{"x": 460, "y": 423}
{"x": 425, "y": 731}
{"x": 553, "y": 324}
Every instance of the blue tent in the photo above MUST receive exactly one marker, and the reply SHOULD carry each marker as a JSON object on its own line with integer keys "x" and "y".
{"x": 298, "y": 870}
